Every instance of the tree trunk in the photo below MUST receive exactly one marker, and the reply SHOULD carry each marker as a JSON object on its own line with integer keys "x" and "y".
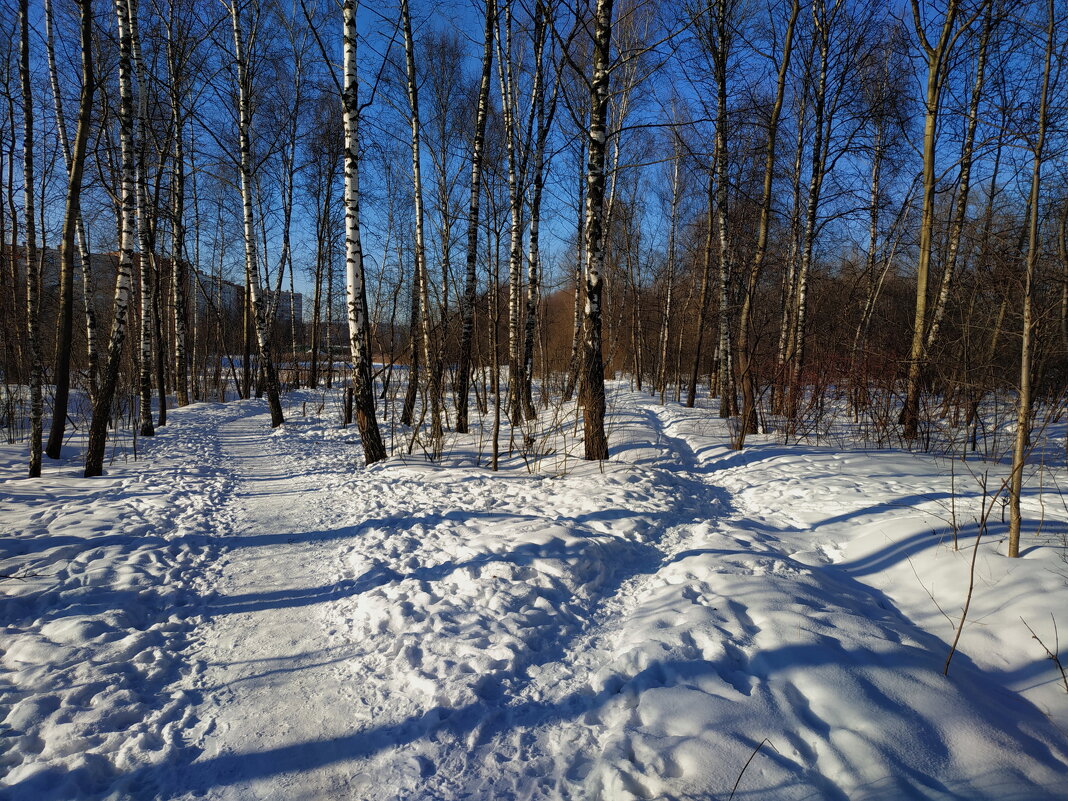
{"x": 433, "y": 373}
{"x": 30, "y": 250}
{"x": 745, "y": 323}
{"x": 355, "y": 290}
{"x": 706, "y": 292}
{"x": 252, "y": 265}
{"x": 467, "y": 309}
{"x": 936, "y": 57}
{"x": 72, "y": 216}
{"x": 94, "y": 456}
{"x": 1023, "y": 408}
{"x": 593, "y": 394}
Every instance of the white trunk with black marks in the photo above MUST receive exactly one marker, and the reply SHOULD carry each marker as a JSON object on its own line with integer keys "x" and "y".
{"x": 433, "y": 390}
{"x": 575, "y": 360}
{"x": 467, "y": 311}
{"x": 74, "y": 167}
{"x": 515, "y": 229}
{"x": 537, "y": 183}
{"x": 706, "y": 292}
{"x": 878, "y": 151}
{"x": 30, "y": 251}
{"x": 75, "y": 162}
{"x": 252, "y": 265}
{"x": 721, "y": 54}
{"x": 355, "y": 287}
{"x": 592, "y": 394}
{"x": 144, "y": 379}
{"x": 94, "y": 459}
{"x": 179, "y": 258}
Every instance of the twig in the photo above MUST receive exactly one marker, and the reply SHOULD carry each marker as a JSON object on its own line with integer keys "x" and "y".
{"x": 1056, "y": 647}
{"x": 746, "y": 765}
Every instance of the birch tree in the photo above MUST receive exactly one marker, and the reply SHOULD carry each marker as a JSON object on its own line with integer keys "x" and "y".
{"x": 72, "y": 222}
{"x": 94, "y": 456}
{"x": 252, "y": 264}
{"x": 592, "y": 389}
{"x": 30, "y": 250}
{"x": 433, "y": 387}
{"x": 355, "y": 288}
{"x": 467, "y": 307}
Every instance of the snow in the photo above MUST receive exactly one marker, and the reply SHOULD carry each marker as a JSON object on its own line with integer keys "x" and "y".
{"x": 246, "y": 614}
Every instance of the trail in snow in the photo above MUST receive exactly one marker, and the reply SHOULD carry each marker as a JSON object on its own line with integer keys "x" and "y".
{"x": 627, "y": 631}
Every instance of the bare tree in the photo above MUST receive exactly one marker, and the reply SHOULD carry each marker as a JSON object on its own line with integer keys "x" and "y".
{"x": 592, "y": 389}
{"x": 94, "y": 456}
{"x": 467, "y": 307}
{"x": 1023, "y": 403}
{"x": 30, "y": 251}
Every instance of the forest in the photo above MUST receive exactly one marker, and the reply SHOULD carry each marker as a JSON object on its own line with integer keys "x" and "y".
{"x": 715, "y": 248}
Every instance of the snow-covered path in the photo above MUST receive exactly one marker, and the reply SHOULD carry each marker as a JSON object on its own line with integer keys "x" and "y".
{"x": 633, "y": 630}
{"x": 270, "y": 696}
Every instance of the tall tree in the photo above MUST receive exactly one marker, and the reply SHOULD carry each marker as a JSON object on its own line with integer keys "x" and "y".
{"x": 1023, "y": 403}
{"x": 98, "y": 428}
{"x": 936, "y": 56}
{"x": 478, "y": 145}
{"x": 592, "y": 389}
{"x": 252, "y": 263}
{"x": 72, "y": 219}
{"x": 30, "y": 251}
{"x": 355, "y": 286}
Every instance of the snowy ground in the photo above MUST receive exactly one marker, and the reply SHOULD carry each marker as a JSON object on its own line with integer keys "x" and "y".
{"x": 252, "y": 615}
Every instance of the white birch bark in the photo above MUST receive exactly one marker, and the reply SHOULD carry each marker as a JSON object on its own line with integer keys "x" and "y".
{"x": 30, "y": 251}
{"x": 592, "y": 395}
{"x": 433, "y": 391}
{"x": 94, "y": 459}
{"x": 471, "y": 284}
{"x": 355, "y": 288}
{"x": 252, "y": 266}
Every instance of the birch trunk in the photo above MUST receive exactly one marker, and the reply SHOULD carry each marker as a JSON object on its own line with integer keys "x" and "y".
{"x": 94, "y": 457}
{"x": 355, "y": 288}
{"x": 144, "y": 381}
{"x": 593, "y": 395}
{"x": 30, "y": 250}
{"x": 72, "y": 216}
{"x": 544, "y": 120}
{"x": 179, "y": 258}
{"x": 467, "y": 310}
{"x": 575, "y": 359}
{"x": 433, "y": 389}
{"x": 796, "y": 353}
{"x": 252, "y": 266}
{"x": 515, "y": 205}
